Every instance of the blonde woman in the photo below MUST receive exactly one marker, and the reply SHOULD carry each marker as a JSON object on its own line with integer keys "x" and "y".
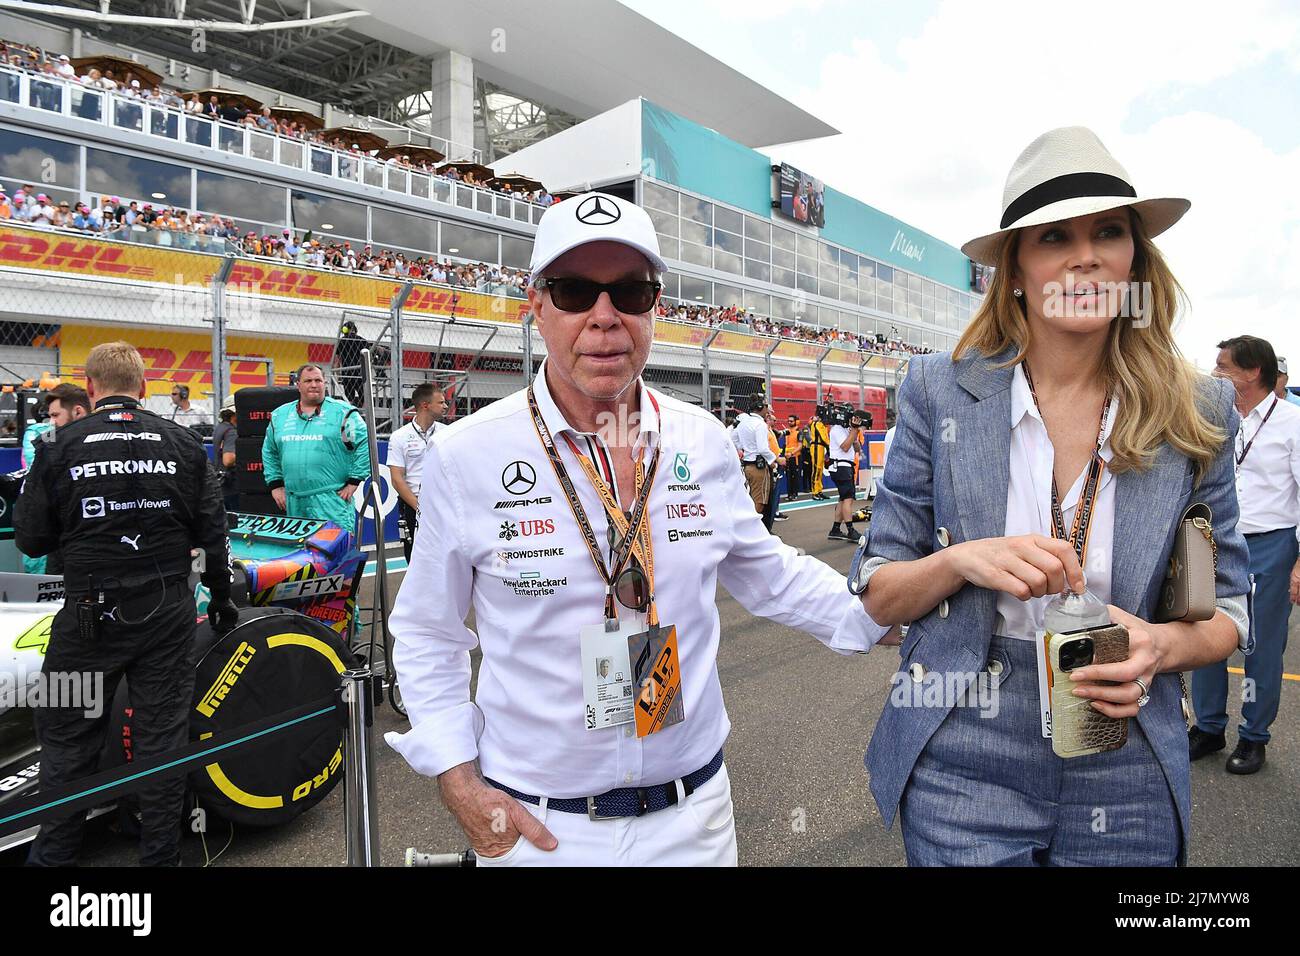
{"x": 1069, "y": 368}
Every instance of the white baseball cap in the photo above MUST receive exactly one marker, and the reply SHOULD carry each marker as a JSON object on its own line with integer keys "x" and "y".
{"x": 593, "y": 217}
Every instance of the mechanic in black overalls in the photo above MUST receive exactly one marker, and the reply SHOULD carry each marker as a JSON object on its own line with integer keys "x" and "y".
{"x": 126, "y": 495}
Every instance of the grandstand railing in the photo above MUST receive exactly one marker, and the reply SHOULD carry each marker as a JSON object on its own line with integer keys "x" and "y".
{"x": 70, "y": 98}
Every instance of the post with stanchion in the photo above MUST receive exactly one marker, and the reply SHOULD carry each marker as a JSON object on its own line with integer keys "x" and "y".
{"x": 360, "y": 809}
{"x": 862, "y": 381}
{"x": 220, "y": 378}
{"x": 822, "y": 358}
{"x": 704, "y": 366}
{"x": 767, "y": 367}
{"x": 528, "y": 347}
{"x": 395, "y": 336}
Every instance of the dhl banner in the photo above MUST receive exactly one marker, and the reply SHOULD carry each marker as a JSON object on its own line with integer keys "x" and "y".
{"x": 33, "y": 249}
{"x": 185, "y": 358}
{"x": 44, "y": 252}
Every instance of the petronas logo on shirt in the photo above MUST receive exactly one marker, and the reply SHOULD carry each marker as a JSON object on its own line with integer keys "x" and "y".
{"x": 680, "y": 470}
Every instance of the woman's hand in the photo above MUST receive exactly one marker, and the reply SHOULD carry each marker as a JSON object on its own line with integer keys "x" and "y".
{"x": 1145, "y": 654}
{"x": 1026, "y": 566}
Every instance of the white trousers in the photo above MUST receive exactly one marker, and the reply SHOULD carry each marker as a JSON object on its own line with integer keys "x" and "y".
{"x": 699, "y": 831}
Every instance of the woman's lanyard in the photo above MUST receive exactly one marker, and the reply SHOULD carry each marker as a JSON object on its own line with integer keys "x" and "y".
{"x": 1082, "y": 524}
{"x": 1246, "y": 451}
{"x": 634, "y": 534}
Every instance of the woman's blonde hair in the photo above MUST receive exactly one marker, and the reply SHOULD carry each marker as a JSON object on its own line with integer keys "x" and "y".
{"x": 1160, "y": 393}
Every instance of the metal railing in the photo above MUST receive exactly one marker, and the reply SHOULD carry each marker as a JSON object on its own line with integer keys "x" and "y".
{"x": 69, "y": 98}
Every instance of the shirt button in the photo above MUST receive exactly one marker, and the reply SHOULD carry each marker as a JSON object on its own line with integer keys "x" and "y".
{"x": 627, "y": 731}
{"x": 995, "y": 667}
{"x": 943, "y": 608}
{"x": 917, "y": 670}
{"x": 943, "y": 536}
{"x": 627, "y": 778}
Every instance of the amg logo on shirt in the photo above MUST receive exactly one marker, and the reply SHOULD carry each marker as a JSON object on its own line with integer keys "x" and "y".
{"x": 97, "y": 469}
{"x": 688, "y": 510}
{"x": 520, "y": 503}
{"x": 122, "y": 436}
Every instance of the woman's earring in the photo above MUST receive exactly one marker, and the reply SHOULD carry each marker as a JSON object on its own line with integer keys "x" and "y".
{"x": 1017, "y": 292}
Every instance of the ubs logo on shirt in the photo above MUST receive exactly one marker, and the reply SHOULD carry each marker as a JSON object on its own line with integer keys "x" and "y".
{"x": 532, "y": 528}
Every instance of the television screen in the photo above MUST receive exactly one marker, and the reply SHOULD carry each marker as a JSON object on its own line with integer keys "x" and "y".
{"x": 802, "y": 197}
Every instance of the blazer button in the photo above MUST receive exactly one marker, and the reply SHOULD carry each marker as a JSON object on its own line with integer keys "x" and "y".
{"x": 944, "y": 537}
{"x": 917, "y": 670}
{"x": 943, "y": 608}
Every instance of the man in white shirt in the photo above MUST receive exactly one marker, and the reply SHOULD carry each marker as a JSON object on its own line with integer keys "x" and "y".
{"x": 1268, "y": 491}
{"x": 406, "y": 450}
{"x": 569, "y": 516}
{"x": 756, "y": 455}
{"x": 182, "y": 412}
{"x": 845, "y": 444}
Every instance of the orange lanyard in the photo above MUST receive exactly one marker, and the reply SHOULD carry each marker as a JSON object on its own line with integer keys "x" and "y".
{"x": 634, "y": 535}
{"x": 1082, "y": 524}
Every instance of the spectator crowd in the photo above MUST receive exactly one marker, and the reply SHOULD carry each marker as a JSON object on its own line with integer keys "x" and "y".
{"x": 59, "y": 68}
{"x": 739, "y": 320}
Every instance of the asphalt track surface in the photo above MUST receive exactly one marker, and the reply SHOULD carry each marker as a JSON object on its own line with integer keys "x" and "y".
{"x": 801, "y": 719}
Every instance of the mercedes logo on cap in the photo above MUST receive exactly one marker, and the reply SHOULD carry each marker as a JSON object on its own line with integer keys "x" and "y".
{"x": 598, "y": 211}
{"x": 518, "y": 478}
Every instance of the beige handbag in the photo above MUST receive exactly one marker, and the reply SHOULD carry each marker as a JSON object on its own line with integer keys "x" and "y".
{"x": 1188, "y": 593}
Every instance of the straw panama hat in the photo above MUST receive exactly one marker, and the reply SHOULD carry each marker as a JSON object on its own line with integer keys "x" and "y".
{"x": 1064, "y": 173}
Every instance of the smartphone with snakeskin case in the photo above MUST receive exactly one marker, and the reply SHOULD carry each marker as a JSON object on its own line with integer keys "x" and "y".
{"x": 1079, "y": 729}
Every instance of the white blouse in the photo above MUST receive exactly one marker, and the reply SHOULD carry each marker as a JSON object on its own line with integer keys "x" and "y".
{"x": 1029, "y": 507}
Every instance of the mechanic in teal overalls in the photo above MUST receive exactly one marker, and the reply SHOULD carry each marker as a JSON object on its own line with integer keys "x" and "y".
{"x": 315, "y": 454}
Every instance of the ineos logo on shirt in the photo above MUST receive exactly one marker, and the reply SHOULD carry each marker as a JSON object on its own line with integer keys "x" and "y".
{"x": 518, "y": 478}
{"x": 598, "y": 211}
{"x": 688, "y": 509}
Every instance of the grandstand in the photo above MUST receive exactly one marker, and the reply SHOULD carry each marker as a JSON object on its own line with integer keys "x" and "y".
{"x": 386, "y": 163}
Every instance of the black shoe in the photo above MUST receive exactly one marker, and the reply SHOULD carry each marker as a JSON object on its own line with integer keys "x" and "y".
{"x": 1201, "y": 744}
{"x": 1247, "y": 758}
{"x": 819, "y": 496}
{"x": 835, "y": 534}
{"x": 851, "y": 534}
{"x": 780, "y": 517}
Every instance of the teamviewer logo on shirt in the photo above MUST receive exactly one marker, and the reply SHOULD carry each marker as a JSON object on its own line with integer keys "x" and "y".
{"x": 92, "y": 507}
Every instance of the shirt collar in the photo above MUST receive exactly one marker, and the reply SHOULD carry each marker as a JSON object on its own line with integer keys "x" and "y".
{"x": 1262, "y": 408}
{"x": 648, "y": 434}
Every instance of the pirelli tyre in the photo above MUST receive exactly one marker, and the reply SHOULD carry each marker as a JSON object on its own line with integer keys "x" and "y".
{"x": 274, "y": 660}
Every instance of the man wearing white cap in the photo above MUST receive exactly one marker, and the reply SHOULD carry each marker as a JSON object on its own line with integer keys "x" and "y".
{"x": 594, "y": 524}
{"x": 1282, "y": 391}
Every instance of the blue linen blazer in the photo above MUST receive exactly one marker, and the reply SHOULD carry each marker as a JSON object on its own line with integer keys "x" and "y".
{"x": 949, "y": 468}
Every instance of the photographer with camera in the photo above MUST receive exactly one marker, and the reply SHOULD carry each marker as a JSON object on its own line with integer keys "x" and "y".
{"x": 846, "y": 443}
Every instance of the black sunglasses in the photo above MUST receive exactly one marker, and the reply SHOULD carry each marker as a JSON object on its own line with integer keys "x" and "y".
{"x": 631, "y": 587}
{"x": 632, "y": 296}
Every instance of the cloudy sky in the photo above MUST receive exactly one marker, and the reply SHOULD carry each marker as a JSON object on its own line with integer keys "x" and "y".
{"x": 936, "y": 99}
